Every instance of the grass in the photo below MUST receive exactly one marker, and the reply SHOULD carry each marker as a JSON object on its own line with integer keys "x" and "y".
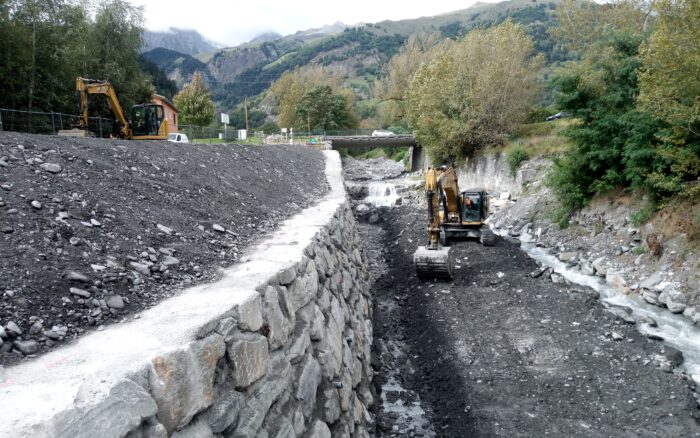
{"x": 395, "y": 153}
{"x": 539, "y": 139}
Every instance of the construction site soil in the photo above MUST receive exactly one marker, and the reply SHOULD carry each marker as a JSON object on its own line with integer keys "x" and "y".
{"x": 92, "y": 231}
{"x": 497, "y": 352}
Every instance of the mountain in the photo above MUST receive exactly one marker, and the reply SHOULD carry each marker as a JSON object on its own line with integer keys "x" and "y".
{"x": 189, "y": 42}
{"x": 179, "y": 67}
{"x": 266, "y": 37}
{"x": 357, "y": 53}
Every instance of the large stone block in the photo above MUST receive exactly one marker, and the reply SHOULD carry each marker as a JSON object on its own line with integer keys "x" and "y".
{"x": 196, "y": 429}
{"x": 312, "y": 316}
{"x": 278, "y": 325}
{"x": 305, "y": 287}
{"x": 261, "y": 395}
{"x": 249, "y": 314}
{"x": 307, "y": 383}
{"x": 280, "y": 427}
{"x": 295, "y": 351}
{"x": 247, "y": 355}
{"x": 182, "y": 381}
{"x": 104, "y": 409}
{"x": 227, "y": 401}
{"x": 318, "y": 430}
{"x": 330, "y": 405}
{"x": 151, "y": 428}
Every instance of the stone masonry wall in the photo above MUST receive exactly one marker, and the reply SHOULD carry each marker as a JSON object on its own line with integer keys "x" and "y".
{"x": 293, "y": 361}
{"x": 280, "y": 347}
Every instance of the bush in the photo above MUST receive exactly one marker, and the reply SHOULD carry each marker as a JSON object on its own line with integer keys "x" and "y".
{"x": 515, "y": 158}
{"x": 643, "y": 215}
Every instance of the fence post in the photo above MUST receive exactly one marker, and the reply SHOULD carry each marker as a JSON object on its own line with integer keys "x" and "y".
{"x": 1, "y": 129}
{"x": 209, "y": 134}
{"x": 99, "y": 120}
{"x": 53, "y": 123}
{"x": 60, "y": 120}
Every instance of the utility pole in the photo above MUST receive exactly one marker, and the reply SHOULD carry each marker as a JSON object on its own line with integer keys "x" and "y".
{"x": 245, "y": 107}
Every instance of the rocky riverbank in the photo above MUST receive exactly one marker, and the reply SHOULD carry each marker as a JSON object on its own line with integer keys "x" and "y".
{"x": 662, "y": 269}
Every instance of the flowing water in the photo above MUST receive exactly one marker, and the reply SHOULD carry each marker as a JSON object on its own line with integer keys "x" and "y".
{"x": 677, "y": 331}
{"x": 381, "y": 194}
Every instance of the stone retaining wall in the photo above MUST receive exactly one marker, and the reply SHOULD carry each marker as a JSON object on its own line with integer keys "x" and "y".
{"x": 283, "y": 351}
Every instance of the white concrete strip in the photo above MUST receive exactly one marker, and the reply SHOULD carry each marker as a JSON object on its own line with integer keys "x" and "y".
{"x": 35, "y": 391}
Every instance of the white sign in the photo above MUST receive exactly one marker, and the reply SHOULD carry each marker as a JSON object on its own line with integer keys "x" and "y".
{"x": 224, "y": 118}
{"x": 284, "y": 130}
{"x": 242, "y": 134}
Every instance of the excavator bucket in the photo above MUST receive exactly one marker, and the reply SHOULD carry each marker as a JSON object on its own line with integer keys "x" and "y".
{"x": 434, "y": 263}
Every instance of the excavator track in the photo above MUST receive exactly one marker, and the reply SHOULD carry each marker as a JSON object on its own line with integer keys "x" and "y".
{"x": 434, "y": 263}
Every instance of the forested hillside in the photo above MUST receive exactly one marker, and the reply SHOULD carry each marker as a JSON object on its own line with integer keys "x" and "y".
{"x": 47, "y": 44}
{"x": 358, "y": 54}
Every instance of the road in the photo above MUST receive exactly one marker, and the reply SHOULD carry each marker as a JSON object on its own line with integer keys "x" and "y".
{"x": 499, "y": 353}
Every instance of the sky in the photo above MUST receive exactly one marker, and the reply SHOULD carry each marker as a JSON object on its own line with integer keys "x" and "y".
{"x": 233, "y": 22}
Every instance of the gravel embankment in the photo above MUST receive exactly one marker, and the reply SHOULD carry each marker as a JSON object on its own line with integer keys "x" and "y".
{"x": 92, "y": 230}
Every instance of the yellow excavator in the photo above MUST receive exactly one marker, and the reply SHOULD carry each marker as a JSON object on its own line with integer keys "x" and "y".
{"x": 451, "y": 214}
{"x": 147, "y": 120}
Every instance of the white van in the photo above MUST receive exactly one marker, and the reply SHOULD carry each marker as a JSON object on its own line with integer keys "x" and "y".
{"x": 177, "y": 137}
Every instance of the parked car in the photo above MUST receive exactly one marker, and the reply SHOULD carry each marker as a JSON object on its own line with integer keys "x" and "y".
{"x": 558, "y": 116}
{"x": 177, "y": 137}
{"x": 382, "y": 133}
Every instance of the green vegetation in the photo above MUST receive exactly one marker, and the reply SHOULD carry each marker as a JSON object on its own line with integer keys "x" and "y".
{"x": 473, "y": 93}
{"x": 516, "y": 156}
{"x": 324, "y": 110}
{"x": 392, "y": 153}
{"x": 650, "y": 145}
{"x": 47, "y": 44}
{"x": 194, "y": 103}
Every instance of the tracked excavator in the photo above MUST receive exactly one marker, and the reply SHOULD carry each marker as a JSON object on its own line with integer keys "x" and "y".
{"x": 451, "y": 215}
{"x": 147, "y": 121}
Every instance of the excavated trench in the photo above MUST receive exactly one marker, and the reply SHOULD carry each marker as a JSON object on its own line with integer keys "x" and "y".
{"x": 497, "y": 352}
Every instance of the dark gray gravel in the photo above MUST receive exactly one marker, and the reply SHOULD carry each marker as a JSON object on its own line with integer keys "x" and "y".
{"x": 92, "y": 230}
{"x": 499, "y": 353}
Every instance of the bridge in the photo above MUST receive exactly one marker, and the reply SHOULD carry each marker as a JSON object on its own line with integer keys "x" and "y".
{"x": 417, "y": 155}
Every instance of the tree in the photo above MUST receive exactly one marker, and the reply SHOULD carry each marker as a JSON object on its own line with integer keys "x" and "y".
{"x": 325, "y": 110}
{"x": 194, "y": 103}
{"x": 474, "y": 92}
{"x": 289, "y": 90}
{"x": 584, "y": 23}
{"x": 112, "y": 51}
{"x": 393, "y": 88}
{"x": 670, "y": 79}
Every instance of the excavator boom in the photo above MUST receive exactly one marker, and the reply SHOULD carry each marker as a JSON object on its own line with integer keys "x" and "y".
{"x": 85, "y": 87}
{"x": 435, "y": 260}
{"x": 148, "y": 121}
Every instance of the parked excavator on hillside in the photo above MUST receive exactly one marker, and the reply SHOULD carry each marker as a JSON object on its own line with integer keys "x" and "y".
{"x": 451, "y": 214}
{"x": 147, "y": 121}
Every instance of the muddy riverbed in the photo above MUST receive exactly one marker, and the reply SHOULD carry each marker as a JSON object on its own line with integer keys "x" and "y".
{"x": 497, "y": 352}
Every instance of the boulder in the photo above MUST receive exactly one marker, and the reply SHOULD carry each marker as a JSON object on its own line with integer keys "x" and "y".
{"x": 103, "y": 409}
{"x": 248, "y": 355}
{"x": 182, "y": 381}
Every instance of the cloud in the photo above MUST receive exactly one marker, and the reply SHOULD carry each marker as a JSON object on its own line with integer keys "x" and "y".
{"x": 232, "y": 23}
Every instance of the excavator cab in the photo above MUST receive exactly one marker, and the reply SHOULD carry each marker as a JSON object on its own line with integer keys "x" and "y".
{"x": 146, "y": 119}
{"x": 474, "y": 206}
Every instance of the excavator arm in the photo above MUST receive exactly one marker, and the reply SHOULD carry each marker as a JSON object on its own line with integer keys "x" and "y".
{"x": 86, "y": 87}
{"x": 434, "y": 260}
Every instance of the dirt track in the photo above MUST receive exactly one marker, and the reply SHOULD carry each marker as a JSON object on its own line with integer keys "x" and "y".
{"x": 499, "y": 353}
{"x": 93, "y": 230}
